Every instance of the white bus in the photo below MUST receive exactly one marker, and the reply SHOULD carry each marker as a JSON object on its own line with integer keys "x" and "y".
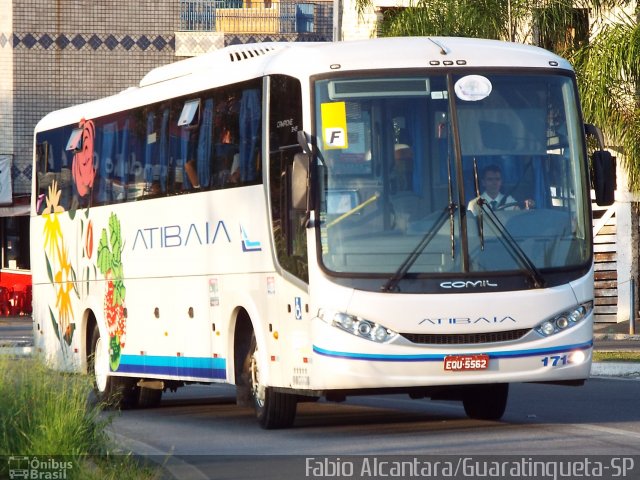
{"x": 295, "y": 219}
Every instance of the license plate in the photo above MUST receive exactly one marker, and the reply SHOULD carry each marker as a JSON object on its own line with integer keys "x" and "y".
{"x": 456, "y": 363}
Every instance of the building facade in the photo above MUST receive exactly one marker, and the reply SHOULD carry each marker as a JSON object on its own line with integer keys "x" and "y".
{"x": 57, "y": 54}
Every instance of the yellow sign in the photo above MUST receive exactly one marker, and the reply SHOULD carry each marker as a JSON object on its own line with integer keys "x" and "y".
{"x": 334, "y": 125}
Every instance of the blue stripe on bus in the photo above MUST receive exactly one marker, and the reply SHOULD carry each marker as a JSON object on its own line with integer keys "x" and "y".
{"x": 201, "y": 367}
{"x": 437, "y": 357}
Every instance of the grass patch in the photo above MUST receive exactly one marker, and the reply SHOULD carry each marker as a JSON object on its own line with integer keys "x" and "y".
{"x": 46, "y": 414}
{"x": 617, "y": 356}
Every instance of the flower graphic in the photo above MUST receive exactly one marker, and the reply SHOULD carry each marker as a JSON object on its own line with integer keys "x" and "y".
{"x": 88, "y": 244}
{"x": 61, "y": 273}
{"x": 65, "y": 284}
{"x": 83, "y": 170}
{"x": 52, "y": 230}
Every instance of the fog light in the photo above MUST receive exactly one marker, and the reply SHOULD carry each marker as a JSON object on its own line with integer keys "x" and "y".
{"x": 577, "y": 357}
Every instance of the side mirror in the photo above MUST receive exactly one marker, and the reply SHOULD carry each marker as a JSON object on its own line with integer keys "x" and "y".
{"x": 300, "y": 181}
{"x": 603, "y": 167}
{"x": 604, "y": 177}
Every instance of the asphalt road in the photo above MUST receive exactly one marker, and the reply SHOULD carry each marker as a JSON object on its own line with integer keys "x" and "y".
{"x": 199, "y": 432}
{"x": 16, "y": 331}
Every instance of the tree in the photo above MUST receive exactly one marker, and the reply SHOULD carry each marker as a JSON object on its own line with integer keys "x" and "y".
{"x": 608, "y": 70}
{"x": 607, "y": 64}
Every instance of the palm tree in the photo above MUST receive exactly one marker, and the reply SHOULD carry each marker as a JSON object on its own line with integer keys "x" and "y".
{"x": 608, "y": 72}
{"x": 607, "y": 65}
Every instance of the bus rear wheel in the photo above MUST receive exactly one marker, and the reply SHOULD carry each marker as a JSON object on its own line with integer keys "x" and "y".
{"x": 486, "y": 402}
{"x": 110, "y": 391}
{"x": 273, "y": 409}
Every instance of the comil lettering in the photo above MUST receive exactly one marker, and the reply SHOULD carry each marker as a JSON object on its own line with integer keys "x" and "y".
{"x": 469, "y": 284}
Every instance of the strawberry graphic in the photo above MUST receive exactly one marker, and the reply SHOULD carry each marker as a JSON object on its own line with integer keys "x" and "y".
{"x": 110, "y": 265}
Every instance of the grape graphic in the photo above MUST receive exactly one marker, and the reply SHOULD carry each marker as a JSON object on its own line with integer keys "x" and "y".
{"x": 110, "y": 265}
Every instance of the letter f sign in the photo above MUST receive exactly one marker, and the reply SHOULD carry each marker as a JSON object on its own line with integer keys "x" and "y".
{"x": 335, "y": 137}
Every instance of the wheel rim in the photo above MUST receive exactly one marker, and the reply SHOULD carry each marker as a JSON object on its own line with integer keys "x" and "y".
{"x": 257, "y": 390}
{"x": 100, "y": 365}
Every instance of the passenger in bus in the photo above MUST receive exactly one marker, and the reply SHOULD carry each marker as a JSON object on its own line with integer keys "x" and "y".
{"x": 229, "y": 174}
{"x": 192, "y": 173}
{"x": 491, "y": 184}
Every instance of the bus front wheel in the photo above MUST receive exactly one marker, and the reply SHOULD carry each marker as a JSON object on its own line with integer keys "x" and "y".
{"x": 486, "y": 402}
{"x": 273, "y": 409}
{"x": 110, "y": 391}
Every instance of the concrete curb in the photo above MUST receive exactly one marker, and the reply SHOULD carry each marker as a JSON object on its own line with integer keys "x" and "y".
{"x": 16, "y": 351}
{"x": 615, "y": 369}
{"x": 617, "y": 336}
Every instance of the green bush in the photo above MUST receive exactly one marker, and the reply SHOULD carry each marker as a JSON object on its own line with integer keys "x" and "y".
{"x": 46, "y": 414}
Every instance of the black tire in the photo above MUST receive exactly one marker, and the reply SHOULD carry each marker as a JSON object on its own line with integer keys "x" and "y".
{"x": 486, "y": 402}
{"x": 273, "y": 409}
{"x": 110, "y": 391}
{"x": 149, "y": 397}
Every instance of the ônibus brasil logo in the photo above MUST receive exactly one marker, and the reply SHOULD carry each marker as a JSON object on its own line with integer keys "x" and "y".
{"x": 38, "y": 468}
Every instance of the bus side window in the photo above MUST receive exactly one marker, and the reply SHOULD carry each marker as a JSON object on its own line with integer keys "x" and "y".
{"x": 285, "y": 119}
{"x": 202, "y": 166}
{"x": 186, "y": 176}
{"x": 250, "y": 119}
{"x": 53, "y": 170}
{"x": 198, "y": 151}
{"x": 226, "y": 169}
{"x": 156, "y": 152}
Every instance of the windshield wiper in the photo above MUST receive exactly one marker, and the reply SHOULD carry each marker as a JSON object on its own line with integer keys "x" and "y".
{"x": 449, "y": 211}
{"x": 505, "y": 237}
{"x": 393, "y": 281}
{"x": 510, "y": 244}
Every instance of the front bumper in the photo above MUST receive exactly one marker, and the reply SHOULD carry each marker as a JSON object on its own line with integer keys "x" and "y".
{"x": 343, "y": 361}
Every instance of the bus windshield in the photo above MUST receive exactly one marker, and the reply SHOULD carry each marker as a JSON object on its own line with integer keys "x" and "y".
{"x": 459, "y": 173}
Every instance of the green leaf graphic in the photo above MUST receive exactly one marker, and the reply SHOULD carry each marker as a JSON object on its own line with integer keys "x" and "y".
{"x": 104, "y": 254}
{"x": 114, "y": 358}
{"x": 55, "y": 324}
{"x": 49, "y": 271}
{"x": 74, "y": 282}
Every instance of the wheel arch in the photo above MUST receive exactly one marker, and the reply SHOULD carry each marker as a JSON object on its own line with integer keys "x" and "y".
{"x": 244, "y": 324}
{"x": 88, "y": 324}
{"x": 241, "y": 339}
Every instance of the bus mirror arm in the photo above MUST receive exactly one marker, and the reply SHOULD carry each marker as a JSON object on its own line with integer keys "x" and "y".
{"x": 591, "y": 129}
{"x": 305, "y": 142}
{"x": 603, "y": 168}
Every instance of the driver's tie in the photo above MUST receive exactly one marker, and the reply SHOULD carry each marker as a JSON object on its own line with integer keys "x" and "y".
{"x": 493, "y": 204}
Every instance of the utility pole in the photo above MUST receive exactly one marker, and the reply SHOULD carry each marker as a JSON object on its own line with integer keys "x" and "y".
{"x": 511, "y": 36}
{"x": 337, "y": 20}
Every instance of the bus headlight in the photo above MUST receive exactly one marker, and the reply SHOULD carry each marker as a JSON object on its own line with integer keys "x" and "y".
{"x": 565, "y": 320}
{"x": 358, "y": 326}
